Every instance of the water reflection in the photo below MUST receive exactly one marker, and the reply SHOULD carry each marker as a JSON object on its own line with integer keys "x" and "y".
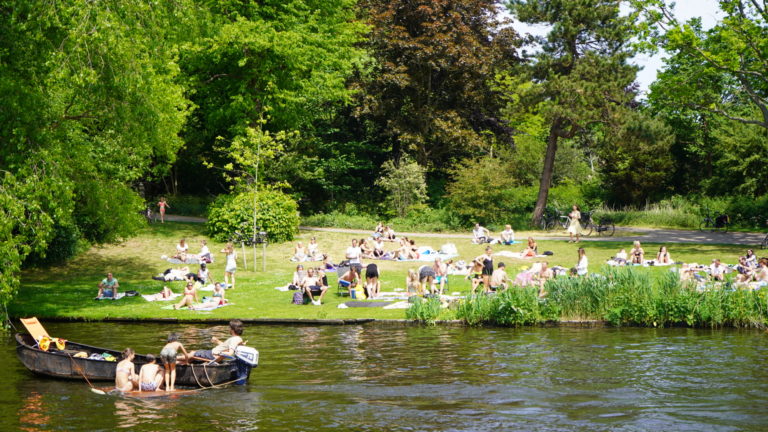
{"x": 33, "y": 414}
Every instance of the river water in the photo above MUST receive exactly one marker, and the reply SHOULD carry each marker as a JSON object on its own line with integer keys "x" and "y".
{"x": 365, "y": 378}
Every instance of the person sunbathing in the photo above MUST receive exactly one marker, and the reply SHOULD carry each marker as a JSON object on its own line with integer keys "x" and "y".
{"x": 378, "y": 248}
{"x": 507, "y": 236}
{"x": 313, "y": 250}
{"x": 190, "y": 296}
{"x": 480, "y": 234}
{"x": 108, "y": 287}
{"x": 637, "y": 253}
{"x": 366, "y": 249}
{"x": 745, "y": 273}
{"x": 476, "y": 274}
{"x": 350, "y": 279}
{"x": 412, "y": 285}
{"x": 164, "y": 294}
{"x": 205, "y": 254}
{"x": 299, "y": 253}
{"x": 181, "y": 250}
{"x": 499, "y": 279}
{"x": 663, "y": 256}
{"x": 531, "y": 250}
{"x": 312, "y": 286}
{"x": 217, "y": 299}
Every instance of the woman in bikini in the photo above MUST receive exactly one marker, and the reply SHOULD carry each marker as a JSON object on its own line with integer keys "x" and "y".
{"x": 531, "y": 250}
{"x": 189, "y": 296}
{"x": 637, "y": 253}
{"x": 663, "y": 256}
{"x": 163, "y": 205}
{"x": 125, "y": 374}
{"x": 486, "y": 260}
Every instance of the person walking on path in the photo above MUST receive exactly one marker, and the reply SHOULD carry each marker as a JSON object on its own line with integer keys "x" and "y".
{"x": 162, "y": 204}
{"x": 574, "y": 227}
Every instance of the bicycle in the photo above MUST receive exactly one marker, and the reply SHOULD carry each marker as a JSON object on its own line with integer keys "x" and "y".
{"x": 551, "y": 219}
{"x": 587, "y": 224}
{"x": 605, "y": 227}
{"x": 718, "y": 223}
{"x": 764, "y": 244}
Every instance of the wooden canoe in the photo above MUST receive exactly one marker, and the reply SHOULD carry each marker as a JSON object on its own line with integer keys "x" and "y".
{"x": 62, "y": 364}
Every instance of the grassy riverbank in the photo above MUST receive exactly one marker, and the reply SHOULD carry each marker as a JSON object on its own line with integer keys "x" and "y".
{"x": 68, "y": 290}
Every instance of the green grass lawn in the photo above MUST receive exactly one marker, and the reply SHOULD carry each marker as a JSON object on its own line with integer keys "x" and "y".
{"x": 68, "y": 290}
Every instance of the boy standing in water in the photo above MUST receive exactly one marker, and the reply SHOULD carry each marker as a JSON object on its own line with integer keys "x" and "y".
{"x": 168, "y": 356}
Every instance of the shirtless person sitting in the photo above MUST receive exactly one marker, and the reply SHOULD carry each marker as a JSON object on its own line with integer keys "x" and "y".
{"x": 313, "y": 285}
{"x": 350, "y": 279}
{"x": 542, "y": 276}
{"x": 499, "y": 280}
{"x": 480, "y": 234}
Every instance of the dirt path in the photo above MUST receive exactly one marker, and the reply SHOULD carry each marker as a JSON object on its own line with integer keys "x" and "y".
{"x": 650, "y": 235}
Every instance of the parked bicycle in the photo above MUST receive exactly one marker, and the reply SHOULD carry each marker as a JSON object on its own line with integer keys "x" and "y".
{"x": 717, "y": 223}
{"x": 552, "y": 219}
{"x": 764, "y": 244}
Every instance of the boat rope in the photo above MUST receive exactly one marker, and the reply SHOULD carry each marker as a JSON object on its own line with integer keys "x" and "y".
{"x": 79, "y": 370}
{"x": 212, "y": 385}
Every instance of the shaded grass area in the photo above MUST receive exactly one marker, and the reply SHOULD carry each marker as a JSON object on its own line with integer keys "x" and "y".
{"x": 68, "y": 290}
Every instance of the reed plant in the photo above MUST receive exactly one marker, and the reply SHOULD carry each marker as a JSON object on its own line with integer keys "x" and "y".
{"x": 622, "y": 296}
{"x": 424, "y": 310}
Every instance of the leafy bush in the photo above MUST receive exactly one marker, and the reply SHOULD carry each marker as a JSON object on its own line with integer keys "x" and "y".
{"x": 276, "y": 214}
{"x": 424, "y": 310}
{"x": 405, "y": 184}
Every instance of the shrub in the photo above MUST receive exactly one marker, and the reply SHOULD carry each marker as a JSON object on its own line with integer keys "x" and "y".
{"x": 423, "y": 310}
{"x": 405, "y": 184}
{"x": 276, "y": 214}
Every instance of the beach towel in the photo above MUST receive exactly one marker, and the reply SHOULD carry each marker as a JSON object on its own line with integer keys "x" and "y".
{"x": 211, "y": 287}
{"x": 190, "y": 260}
{"x": 356, "y": 304}
{"x": 517, "y": 255}
{"x": 398, "y": 305}
{"x": 157, "y": 297}
{"x": 118, "y": 297}
{"x": 431, "y": 257}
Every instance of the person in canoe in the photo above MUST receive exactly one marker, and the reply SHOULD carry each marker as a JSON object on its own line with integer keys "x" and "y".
{"x": 226, "y": 348}
{"x": 125, "y": 375}
{"x": 150, "y": 375}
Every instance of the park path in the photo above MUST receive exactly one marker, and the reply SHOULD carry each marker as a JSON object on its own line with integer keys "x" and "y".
{"x": 650, "y": 235}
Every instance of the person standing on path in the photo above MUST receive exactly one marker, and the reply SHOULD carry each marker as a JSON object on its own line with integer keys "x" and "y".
{"x": 574, "y": 227}
{"x": 162, "y": 204}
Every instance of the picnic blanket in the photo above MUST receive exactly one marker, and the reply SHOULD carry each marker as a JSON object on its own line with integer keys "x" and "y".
{"x": 356, "y": 304}
{"x": 518, "y": 255}
{"x": 211, "y": 287}
{"x": 158, "y": 297}
{"x": 190, "y": 260}
{"x": 118, "y": 297}
{"x": 431, "y": 257}
{"x": 170, "y": 307}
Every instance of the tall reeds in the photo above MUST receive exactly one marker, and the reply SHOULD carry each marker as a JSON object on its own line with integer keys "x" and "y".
{"x": 621, "y": 296}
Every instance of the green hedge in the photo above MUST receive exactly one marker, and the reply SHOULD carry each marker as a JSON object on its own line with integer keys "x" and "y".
{"x": 277, "y": 214}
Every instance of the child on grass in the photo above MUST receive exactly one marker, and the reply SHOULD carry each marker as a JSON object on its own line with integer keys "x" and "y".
{"x": 168, "y": 356}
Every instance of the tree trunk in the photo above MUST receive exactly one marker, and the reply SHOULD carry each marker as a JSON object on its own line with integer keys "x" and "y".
{"x": 546, "y": 172}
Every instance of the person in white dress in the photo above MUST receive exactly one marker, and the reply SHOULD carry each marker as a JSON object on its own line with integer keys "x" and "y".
{"x": 583, "y": 265}
{"x": 231, "y": 266}
{"x": 574, "y": 227}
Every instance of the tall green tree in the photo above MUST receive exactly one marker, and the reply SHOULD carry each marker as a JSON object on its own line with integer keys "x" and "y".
{"x": 581, "y": 71}
{"x": 726, "y": 67}
{"x": 90, "y": 106}
{"x": 283, "y": 61}
{"x": 430, "y": 93}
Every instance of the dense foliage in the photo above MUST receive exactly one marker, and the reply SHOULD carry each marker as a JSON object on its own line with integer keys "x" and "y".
{"x": 275, "y": 213}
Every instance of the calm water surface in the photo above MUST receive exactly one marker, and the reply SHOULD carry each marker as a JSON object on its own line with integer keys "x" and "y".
{"x": 359, "y": 378}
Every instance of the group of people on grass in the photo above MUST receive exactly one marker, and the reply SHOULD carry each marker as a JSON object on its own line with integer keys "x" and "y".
{"x": 152, "y": 376}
